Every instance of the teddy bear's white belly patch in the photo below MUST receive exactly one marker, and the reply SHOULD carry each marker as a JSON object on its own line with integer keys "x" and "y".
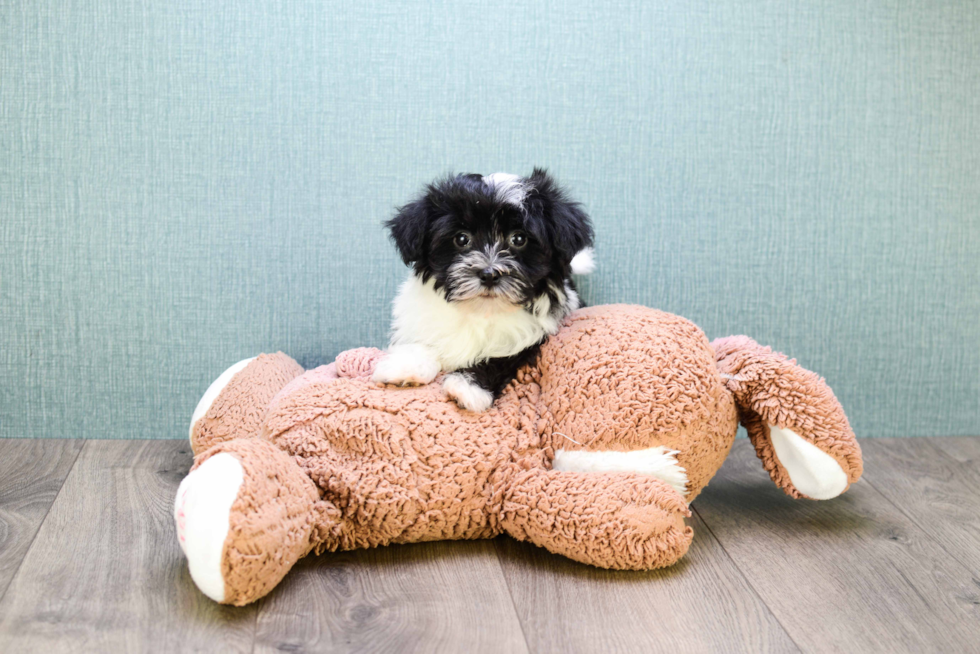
{"x": 659, "y": 462}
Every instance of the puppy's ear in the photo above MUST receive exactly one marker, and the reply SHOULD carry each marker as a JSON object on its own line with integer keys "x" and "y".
{"x": 570, "y": 227}
{"x": 408, "y": 229}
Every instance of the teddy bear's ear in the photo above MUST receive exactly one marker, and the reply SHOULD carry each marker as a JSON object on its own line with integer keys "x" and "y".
{"x": 566, "y": 221}
{"x": 408, "y": 229}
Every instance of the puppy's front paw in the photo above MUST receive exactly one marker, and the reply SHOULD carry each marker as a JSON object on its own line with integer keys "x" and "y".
{"x": 468, "y": 394}
{"x": 406, "y": 365}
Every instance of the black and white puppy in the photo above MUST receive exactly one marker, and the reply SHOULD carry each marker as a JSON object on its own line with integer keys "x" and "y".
{"x": 492, "y": 259}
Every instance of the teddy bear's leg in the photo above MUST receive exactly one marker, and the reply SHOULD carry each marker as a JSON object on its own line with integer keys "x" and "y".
{"x": 797, "y": 426}
{"x": 236, "y": 402}
{"x": 245, "y": 514}
{"x": 620, "y": 520}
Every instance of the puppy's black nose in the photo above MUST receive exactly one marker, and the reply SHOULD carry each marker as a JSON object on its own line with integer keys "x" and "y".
{"x": 489, "y": 275}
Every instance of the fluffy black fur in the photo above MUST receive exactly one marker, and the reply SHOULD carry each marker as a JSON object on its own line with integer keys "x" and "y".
{"x": 557, "y": 229}
{"x": 494, "y": 374}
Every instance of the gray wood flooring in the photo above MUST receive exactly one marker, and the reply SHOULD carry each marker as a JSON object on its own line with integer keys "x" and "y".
{"x": 89, "y": 563}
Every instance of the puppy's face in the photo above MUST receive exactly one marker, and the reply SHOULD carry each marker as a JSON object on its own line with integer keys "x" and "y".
{"x": 499, "y": 237}
{"x": 482, "y": 247}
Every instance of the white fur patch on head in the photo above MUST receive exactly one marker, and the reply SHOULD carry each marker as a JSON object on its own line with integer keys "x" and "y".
{"x": 407, "y": 364}
{"x": 658, "y": 462}
{"x": 201, "y": 511}
{"x": 583, "y": 263}
{"x": 815, "y": 473}
{"x": 507, "y": 188}
{"x": 469, "y": 395}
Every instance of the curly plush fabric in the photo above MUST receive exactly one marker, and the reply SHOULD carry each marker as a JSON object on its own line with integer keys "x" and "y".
{"x": 643, "y": 379}
{"x": 621, "y": 520}
{"x": 333, "y": 461}
{"x": 240, "y": 408}
{"x": 771, "y": 390}
{"x": 270, "y": 522}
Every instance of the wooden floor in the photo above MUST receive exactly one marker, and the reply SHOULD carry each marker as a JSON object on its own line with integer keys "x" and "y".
{"x": 89, "y": 562}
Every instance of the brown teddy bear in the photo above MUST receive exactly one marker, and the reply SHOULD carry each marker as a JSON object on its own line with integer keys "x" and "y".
{"x": 594, "y": 452}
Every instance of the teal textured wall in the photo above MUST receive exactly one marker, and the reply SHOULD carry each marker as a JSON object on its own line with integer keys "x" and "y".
{"x": 184, "y": 184}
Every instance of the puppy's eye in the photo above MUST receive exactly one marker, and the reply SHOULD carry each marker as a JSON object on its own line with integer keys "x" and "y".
{"x": 518, "y": 239}
{"x": 461, "y": 240}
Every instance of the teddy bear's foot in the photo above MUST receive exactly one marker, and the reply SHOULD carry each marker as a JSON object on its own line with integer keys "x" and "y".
{"x": 812, "y": 471}
{"x": 797, "y": 426}
{"x": 245, "y": 514}
{"x": 406, "y": 365}
{"x": 236, "y": 402}
{"x": 202, "y": 509}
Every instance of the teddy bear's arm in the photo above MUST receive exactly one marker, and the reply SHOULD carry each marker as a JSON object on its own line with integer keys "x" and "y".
{"x": 619, "y": 520}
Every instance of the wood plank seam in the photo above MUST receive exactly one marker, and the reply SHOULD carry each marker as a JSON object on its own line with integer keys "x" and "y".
{"x": 747, "y": 580}
{"x": 918, "y": 526}
{"x": 10, "y": 582}
{"x": 510, "y": 594}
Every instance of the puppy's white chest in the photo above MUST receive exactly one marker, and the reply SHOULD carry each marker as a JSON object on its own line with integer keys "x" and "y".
{"x": 461, "y": 333}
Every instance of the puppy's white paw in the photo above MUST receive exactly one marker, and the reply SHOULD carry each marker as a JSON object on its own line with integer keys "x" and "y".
{"x": 467, "y": 393}
{"x": 406, "y": 365}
